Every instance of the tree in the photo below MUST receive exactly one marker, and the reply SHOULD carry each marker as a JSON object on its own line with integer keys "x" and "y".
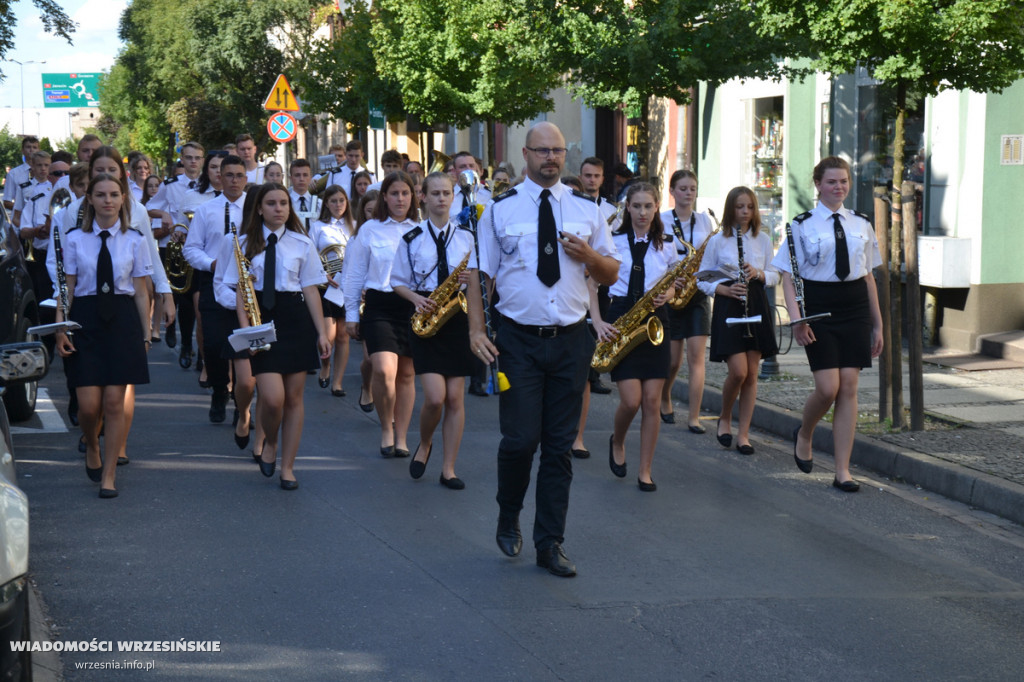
{"x": 343, "y": 76}
{"x": 457, "y": 61}
{"x": 54, "y": 19}
{"x": 625, "y": 53}
{"x": 927, "y": 45}
{"x": 201, "y": 69}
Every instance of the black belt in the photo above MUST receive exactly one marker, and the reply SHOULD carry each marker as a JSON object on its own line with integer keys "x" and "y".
{"x": 548, "y": 332}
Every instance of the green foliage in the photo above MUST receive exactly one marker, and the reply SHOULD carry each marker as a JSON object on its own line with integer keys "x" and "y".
{"x": 462, "y": 60}
{"x": 10, "y": 149}
{"x": 343, "y": 77}
{"x": 934, "y": 44}
{"x": 201, "y": 69}
{"x": 54, "y": 20}
{"x": 619, "y": 52}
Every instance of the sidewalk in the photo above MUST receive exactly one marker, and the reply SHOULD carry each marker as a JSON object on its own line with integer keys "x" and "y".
{"x": 971, "y": 451}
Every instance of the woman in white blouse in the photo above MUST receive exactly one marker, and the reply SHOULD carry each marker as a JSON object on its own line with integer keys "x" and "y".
{"x": 645, "y": 253}
{"x": 286, "y": 271}
{"x": 835, "y": 250}
{"x": 107, "y": 265}
{"x": 333, "y": 228}
{"x": 384, "y": 322}
{"x": 740, "y": 346}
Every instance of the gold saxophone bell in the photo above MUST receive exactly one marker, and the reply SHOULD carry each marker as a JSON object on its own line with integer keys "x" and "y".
{"x": 499, "y": 187}
{"x": 447, "y": 299}
{"x": 332, "y": 257}
{"x": 637, "y": 324}
{"x": 440, "y": 161}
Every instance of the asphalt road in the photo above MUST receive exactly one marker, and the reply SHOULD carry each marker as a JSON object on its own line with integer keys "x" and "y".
{"x": 738, "y": 568}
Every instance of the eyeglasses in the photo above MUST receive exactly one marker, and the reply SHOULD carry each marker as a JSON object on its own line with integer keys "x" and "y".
{"x": 548, "y": 151}
{"x": 58, "y": 173}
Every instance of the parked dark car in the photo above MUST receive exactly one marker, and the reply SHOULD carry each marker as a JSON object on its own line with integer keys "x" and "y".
{"x": 22, "y": 364}
{"x": 19, "y": 310}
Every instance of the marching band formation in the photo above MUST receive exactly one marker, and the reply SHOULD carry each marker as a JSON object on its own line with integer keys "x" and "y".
{"x": 527, "y": 286}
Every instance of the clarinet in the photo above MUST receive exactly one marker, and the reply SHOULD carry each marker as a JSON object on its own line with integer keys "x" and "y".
{"x": 62, "y": 280}
{"x": 743, "y": 281}
{"x": 496, "y": 379}
{"x": 798, "y": 282}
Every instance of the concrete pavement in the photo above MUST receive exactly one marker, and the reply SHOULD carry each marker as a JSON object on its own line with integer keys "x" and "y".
{"x": 972, "y": 450}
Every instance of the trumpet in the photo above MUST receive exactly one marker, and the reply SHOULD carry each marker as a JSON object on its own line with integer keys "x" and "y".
{"x": 620, "y": 209}
{"x": 179, "y": 272}
{"x": 446, "y": 304}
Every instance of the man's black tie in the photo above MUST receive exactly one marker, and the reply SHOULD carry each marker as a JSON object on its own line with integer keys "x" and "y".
{"x": 302, "y": 204}
{"x": 442, "y": 256}
{"x": 547, "y": 242}
{"x": 191, "y": 184}
{"x": 842, "y": 253}
{"x": 636, "y": 274}
{"x": 270, "y": 272}
{"x": 105, "y": 280}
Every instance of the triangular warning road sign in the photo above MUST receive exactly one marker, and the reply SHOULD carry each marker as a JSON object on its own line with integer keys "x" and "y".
{"x": 281, "y": 97}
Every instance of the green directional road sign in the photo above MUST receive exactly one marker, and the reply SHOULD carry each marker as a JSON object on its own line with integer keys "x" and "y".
{"x": 71, "y": 89}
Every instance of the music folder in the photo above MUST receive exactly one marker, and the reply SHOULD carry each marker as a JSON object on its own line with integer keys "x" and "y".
{"x": 253, "y": 338}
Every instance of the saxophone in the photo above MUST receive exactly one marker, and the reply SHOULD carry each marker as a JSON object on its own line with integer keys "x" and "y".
{"x": 61, "y": 199}
{"x": 637, "y": 324}
{"x": 682, "y": 298}
{"x": 245, "y": 283}
{"x": 446, "y": 298}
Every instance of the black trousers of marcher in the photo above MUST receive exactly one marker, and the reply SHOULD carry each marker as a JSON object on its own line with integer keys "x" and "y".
{"x": 541, "y": 407}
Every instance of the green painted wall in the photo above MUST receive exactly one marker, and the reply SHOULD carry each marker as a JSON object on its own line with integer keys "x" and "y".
{"x": 1002, "y": 243}
{"x": 800, "y": 116}
{"x": 708, "y": 150}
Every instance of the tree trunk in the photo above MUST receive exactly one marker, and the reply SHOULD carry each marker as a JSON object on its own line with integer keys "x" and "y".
{"x": 882, "y": 284}
{"x": 489, "y": 161}
{"x": 915, "y": 343}
{"x": 895, "y": 246}
{"x": 642, "y": 138}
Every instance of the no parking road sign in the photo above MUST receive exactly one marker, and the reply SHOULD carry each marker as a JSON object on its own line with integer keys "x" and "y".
{"x": 282, "y": 127}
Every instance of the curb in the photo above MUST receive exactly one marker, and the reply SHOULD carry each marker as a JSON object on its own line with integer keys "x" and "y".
{"x": 975, "y": 488}
{"x": 46, "y": 665}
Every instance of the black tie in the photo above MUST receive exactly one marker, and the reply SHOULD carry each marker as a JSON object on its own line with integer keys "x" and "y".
{"x": 192, "y": 184}
{"x": 442, "y": 256}
{"x": 636, "y": 274}
{"x": 842, "y": 253}
{"x": 105, "y": 280}
{"x": 302, "y": 204}
{"x": 547, "y": 238}
{"x": 269, "y": 272}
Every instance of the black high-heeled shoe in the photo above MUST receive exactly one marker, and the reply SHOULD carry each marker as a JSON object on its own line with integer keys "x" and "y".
{"x": 617, "y": 469}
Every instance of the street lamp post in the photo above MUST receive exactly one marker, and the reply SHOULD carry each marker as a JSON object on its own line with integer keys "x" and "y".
{"x": 21, "y": 73}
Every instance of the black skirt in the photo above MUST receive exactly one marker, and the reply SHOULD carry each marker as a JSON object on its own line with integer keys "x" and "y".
{"x": 694, "y": 319}
{"x": 646, "y": 361}
{"x": 727, "y": 341}
{"x": 844, "y": 339}
{"x": 385, "y": 325}
{"x": 107, "y": 353}
{"x": 447, "y": 352}
{"x": 295, "y": 349}
{"x": 332, "y": 309}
